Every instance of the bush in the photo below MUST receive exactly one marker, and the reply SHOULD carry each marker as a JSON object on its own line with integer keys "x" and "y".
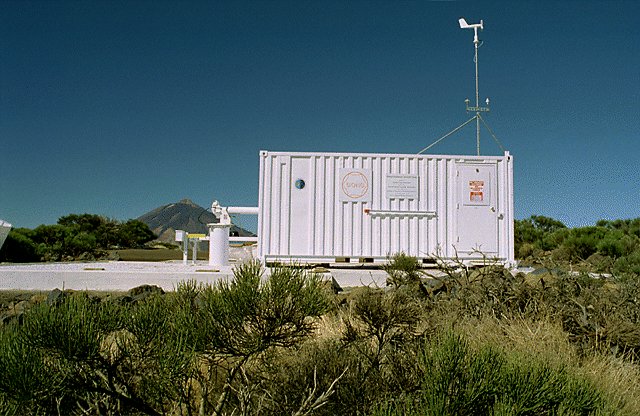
{"x": 457, "y": 381}
{"x": 134, "y": 234}
{"x": 19, "y": 247}
{"x": 554, "y": 240}
{"x": 616, "y": 244}
{"x": 403, "y": 270}
{"x": 291, "y": 376}
{"x": 460, "y": 381}
{"x": 27, "y": 384}
{"x": 525, "y": 250}
{"x": 629, "y": 265}
{"x": 535, "y": 230}
{"x": 583, "y": 242}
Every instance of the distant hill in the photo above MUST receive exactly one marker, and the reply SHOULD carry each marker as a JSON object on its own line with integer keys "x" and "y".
{"x": 184, "y": 215}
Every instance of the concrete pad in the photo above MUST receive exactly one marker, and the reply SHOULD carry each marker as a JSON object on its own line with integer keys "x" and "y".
{"x": 359, "y": 277}
{"x": 105, "y": 276}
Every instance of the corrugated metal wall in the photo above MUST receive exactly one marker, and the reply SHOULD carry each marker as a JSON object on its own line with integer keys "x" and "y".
{"x": 320, "y": 206}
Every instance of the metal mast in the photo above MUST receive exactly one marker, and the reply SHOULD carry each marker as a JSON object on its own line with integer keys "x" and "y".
{"x": 477, "y": 109}
{"x": 475, "y": 59}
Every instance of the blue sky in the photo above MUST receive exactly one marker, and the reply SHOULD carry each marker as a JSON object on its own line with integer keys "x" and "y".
{"x": 116, "y": 108}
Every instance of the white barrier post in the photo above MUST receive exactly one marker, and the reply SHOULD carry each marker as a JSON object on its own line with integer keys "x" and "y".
{"x": 183, "y": 237}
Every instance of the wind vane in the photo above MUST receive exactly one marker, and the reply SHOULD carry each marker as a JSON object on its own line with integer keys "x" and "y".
{"x": 477, "y": 108}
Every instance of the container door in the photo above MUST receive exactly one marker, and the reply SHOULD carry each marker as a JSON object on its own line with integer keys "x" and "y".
{"x": 477, "y": 215}
{"x": 300, "y": 212}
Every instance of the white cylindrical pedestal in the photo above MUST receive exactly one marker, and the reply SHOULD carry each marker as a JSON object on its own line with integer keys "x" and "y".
{"x": 219, "y": 244}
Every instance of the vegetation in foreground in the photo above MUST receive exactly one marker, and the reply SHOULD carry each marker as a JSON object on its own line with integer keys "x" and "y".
{"x": 466, "y": 343}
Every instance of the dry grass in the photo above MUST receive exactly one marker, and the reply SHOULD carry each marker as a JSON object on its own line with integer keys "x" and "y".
{"x": 541, "y": 339}
{"x": 330, "y": 326}
{"x": 617, "y": 379}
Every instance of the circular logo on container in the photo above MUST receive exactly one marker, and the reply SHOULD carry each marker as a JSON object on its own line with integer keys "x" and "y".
{"x": 300, "y": 184}
{"x": 355, "y": 185}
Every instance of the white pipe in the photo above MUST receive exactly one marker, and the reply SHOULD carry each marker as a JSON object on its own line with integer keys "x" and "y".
{"x": 250, "y": 239}
{"x": 194, "y": 251}
{"x": 401, "y": 213}
{"x": 243, "y": 210}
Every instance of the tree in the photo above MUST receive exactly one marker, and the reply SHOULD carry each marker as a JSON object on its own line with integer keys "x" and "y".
{"x": 81, "y": 243}
{"x": 82, "y": 222}
{"x": 134, "y": 234}
{"x": 107, "y": 234}
{"x": 629, "y": 226}
{"x": 538, "y": 232}
{"x": 546, "y": 224}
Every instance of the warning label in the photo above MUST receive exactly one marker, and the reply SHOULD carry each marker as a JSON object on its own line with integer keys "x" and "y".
{"x": 476, "y": 191}
{"x": 475, "y": 186}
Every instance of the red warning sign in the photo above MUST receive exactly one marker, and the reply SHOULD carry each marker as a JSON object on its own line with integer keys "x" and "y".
{"x": 476, "y": 191}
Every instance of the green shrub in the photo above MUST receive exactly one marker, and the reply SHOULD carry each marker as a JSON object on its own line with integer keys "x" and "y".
{"x": 525, "y": 250}
{"x": 290, "y": 376}
{"x": 403, "y": 270}
{"x": 583, "y": 242}
{"x": 133, "y": 234}
{"x": 19, "y": 247}
{"x": 616, "y": 244}
{"x": 457, "y": 381}
{"x": 460, "y": 381}
{"x": 536, "y": 230}
{"x": 27, "y": 384}
{"x": 553, "y": 240}
{"x": 628, "y": 265}
{"x": 247, "y": 346}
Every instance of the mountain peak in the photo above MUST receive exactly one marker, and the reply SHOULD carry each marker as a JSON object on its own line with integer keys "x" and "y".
{"x": 189, "y": 202}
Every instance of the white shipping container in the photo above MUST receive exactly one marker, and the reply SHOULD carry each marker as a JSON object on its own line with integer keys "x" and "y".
{"x": 331, "y": 207}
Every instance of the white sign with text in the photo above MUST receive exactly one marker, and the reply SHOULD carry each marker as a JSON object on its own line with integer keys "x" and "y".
{"x": 402, "y": 187}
